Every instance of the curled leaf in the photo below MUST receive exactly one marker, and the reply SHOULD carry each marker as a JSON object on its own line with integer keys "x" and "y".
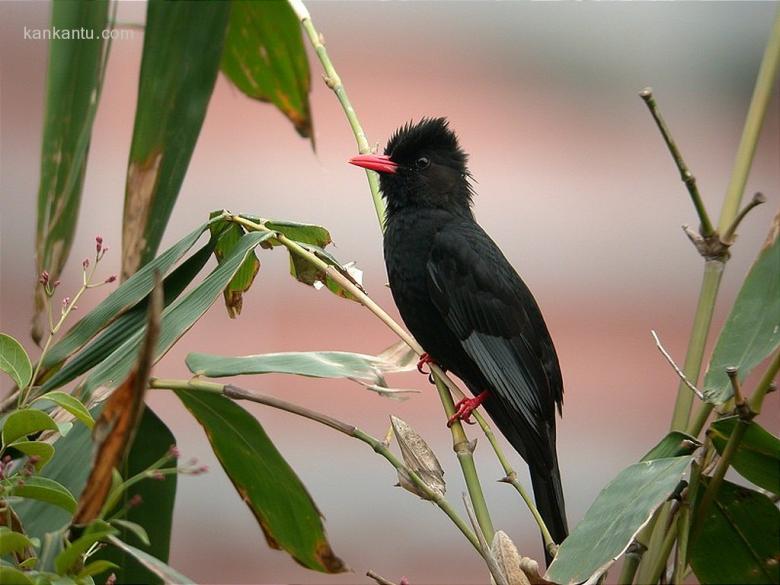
{"x": 419, "y": 458}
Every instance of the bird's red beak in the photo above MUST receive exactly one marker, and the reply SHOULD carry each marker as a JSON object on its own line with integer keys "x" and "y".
{"x": 380, "y": 163}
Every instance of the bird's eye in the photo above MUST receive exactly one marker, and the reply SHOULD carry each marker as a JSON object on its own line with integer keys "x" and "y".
{"x": 422, "y": 163}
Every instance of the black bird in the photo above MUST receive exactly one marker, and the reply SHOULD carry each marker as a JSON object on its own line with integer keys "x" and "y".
{"x": 465, "y": 304}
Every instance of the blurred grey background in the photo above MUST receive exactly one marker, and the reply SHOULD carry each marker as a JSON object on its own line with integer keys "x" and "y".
{"x": 574, "y": 183}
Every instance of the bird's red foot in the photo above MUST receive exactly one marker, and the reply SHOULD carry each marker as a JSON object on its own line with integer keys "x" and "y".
{"x": 424, "y": 359}
{"x": 465, "y": 407}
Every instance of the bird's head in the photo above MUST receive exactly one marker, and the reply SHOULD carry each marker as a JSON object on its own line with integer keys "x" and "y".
{"x": 423, "y": 166}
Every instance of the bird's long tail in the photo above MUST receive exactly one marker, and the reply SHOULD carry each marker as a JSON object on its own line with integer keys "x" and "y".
{"x": 548, "y": 495}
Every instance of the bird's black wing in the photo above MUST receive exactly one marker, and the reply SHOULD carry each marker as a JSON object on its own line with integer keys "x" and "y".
{"x": 491, "y": 311}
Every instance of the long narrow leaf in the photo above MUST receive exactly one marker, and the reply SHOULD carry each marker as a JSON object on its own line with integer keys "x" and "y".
{"x": 74, "y": 80}
{"x": 176, "y": 319}
{"x": 164, "y": 572}
{"x": 136, "y": 288}
{"x": 129, "y": 322}
{"x": 265, "y": 481}
{"x": 265, "y": 58}
{"x": 752, "y": 330}
{"x": 758, "y": 456}
{"x": 182, "y": 49}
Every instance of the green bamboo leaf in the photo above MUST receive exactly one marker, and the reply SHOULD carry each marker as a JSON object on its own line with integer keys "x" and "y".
{"x": 129, "y": 322}
{"x": 74, "y": 80}
{"x": 675, "y": 444}
{"x": 227, "y": 235}
{"x": 164, "y": 572}
{"x": 757, "y": 458}
{"x": 315, "y": 235}
{"x": 752, "y": 330}
{"x": 46, "y": 490}
{"x": 265, "y": 58}
{"x": 67, "y": 560}
{"x": 315, "y": 364}
{"x": 27, "y": 421}
{"x": 43, "y": 451}
{"x": 12, "y": 576}
{"x": 182, "y": 48}
{"x": 14, "y": 361}
{"x": 308, "y": 273}
{"x": 738, "y": 540}
{"x": 151, "y": 522}
{"x": 176, "y": 318}
{"x": 622, "y": 508}
{"x": 368, "y": 370}
{"x": 13, "y": 542}
{"x": 95, "y": 568}
{"x": 131, "y": 292}
{"x": 71, "y": 404}
{"x": 265, "y": 481}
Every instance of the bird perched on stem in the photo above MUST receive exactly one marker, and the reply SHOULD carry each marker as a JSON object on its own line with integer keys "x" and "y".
{"x": 465, "y": 304}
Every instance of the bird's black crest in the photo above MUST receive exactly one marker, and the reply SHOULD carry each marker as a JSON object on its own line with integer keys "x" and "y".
{"x": 430, "y": 133}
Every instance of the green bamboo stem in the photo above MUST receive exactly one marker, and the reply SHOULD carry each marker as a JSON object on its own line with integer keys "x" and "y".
{"x": 630, "y": 564}
{"x": 757, "y": 399}
{"x": 720, "y": 471}
{"x": 683, "y": 530}
{"x": 713, "y": 272}
{"x": 333, "y": 81}
{"x": 465, "y": 452}
{"x": 714, "y": 268}
{"x": 236, "y": 393}
{"x": 759, "y": 103}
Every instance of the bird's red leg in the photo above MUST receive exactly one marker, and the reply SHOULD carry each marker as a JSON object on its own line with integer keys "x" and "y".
{"x": 424, "y": 359}
{"x": 465, "y": 407}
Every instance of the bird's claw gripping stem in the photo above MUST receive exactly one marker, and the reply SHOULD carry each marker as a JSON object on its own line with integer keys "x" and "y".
{"x": 465, "y": 407}
{"x": 424, "y": 359}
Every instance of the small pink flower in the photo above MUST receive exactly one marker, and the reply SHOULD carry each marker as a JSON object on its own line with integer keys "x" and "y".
{"x": 174, "y": 451}
{"x": 44, "y": 279}
{"x": 157, "y": 475}
{"x": 110, "y": 279}
{"x": 98, "y": 243}
{"x": 85, "y": 263}
{"x": 111, "y": 580}
{"x": 135, "y": 501}
{"x": 65, "y": 302}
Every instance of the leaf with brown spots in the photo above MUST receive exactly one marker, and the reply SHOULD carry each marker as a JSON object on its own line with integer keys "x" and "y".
{"x": 265, "y": 58}
{"x": 182, "y": 49}
{"x": 276, "y": 496}
{"x": 115, "y": 427}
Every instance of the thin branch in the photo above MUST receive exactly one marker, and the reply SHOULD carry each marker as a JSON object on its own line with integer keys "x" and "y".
{"x": 487, "y": 554}
{"x": 378, "y": 578}
{"x": 685, "y": 174}
{"x": 236, "y": 393}
{"x": 729, "y": 235}
{"x": 680, "y": 373}
{"x": 333, "y": 81}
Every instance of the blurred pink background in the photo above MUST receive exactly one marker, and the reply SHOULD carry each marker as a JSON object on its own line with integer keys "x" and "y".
{"x": 574, "y": 183}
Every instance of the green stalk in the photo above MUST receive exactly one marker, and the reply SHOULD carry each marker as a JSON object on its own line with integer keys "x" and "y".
{"x": 465, "y": 453}
{"x": 333, "y": 81}
{"x": 759, "y": 103}
{"x": 762, "y": 95}
{"x": 720, "y": 471}
{"x": 713, "y": 272}
{"x": 235, "y": 393}
{"x": 757, "y": 400}
{"x": 684, "y": 531}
